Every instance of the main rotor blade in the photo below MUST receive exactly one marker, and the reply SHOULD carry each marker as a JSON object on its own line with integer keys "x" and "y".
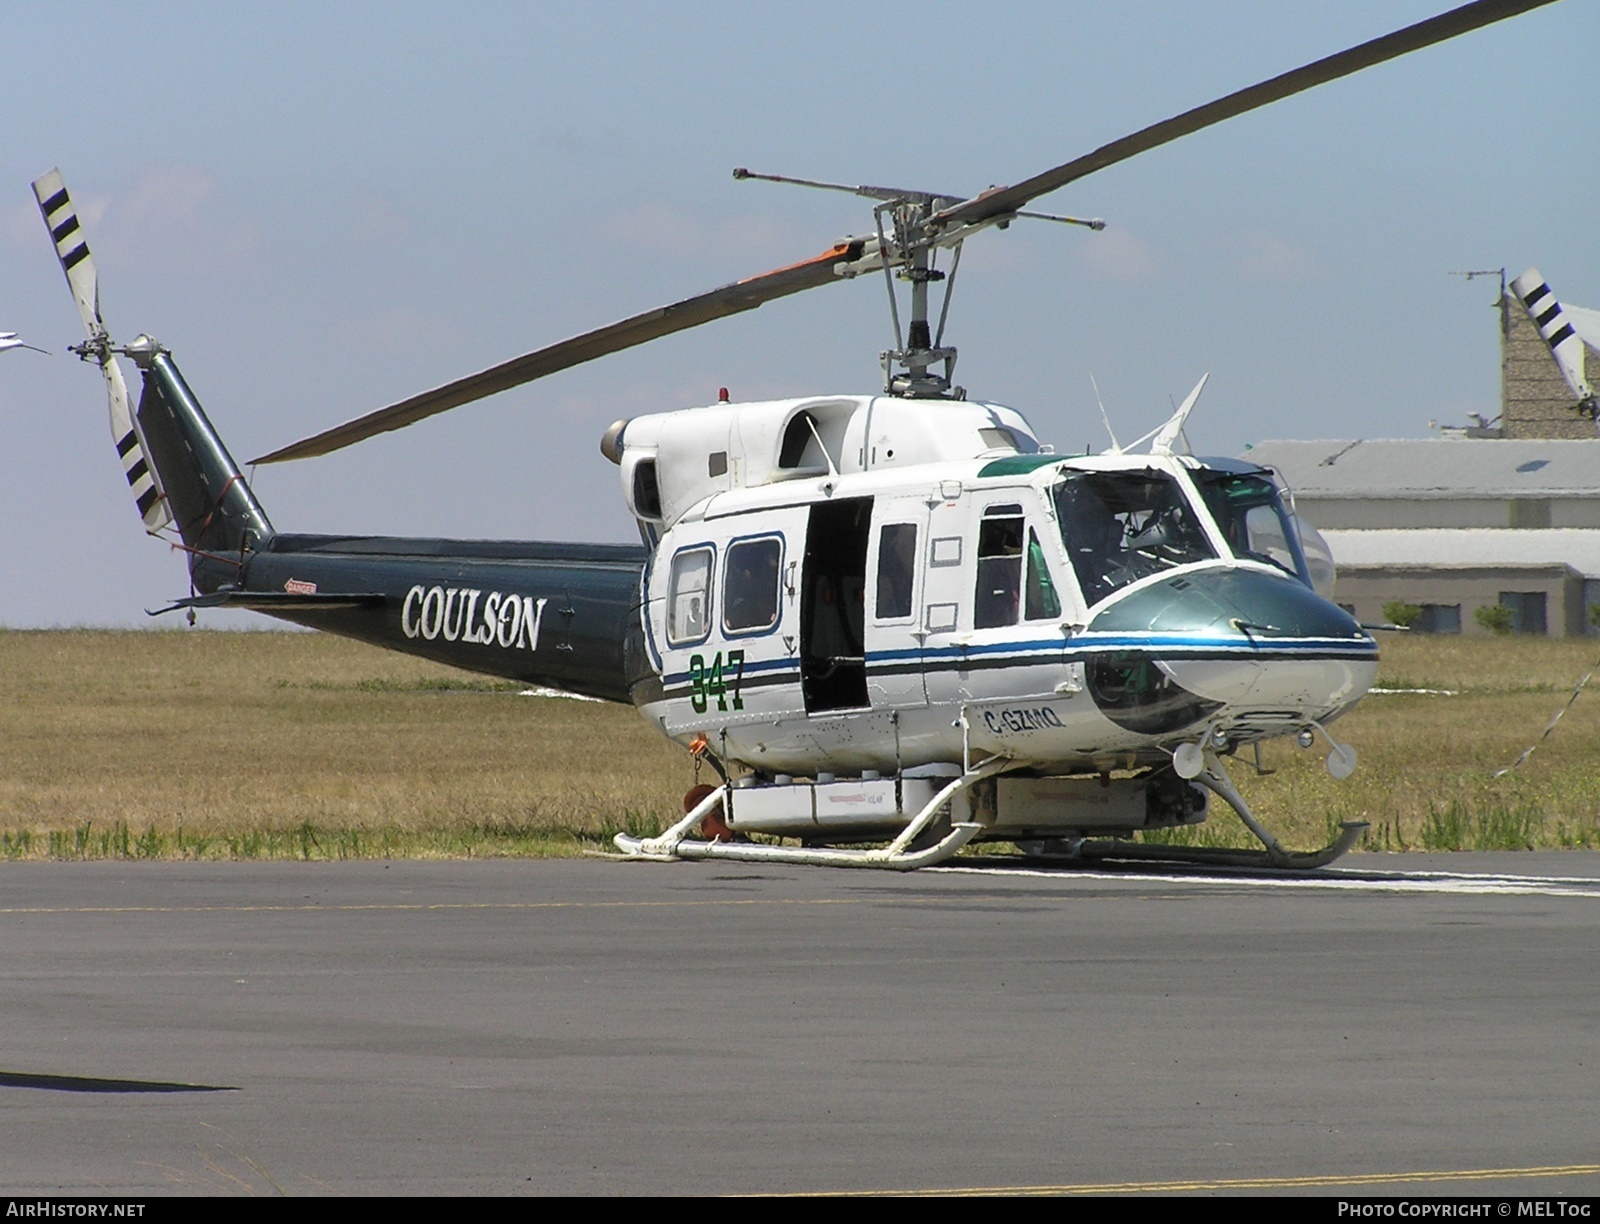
{"x": 862, "y": 255}
{"x": 1006, "y": 200}
{"x": 662, "y": 321}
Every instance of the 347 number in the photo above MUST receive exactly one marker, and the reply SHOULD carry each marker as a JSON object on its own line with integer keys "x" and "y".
{"x": 718, "y": 680}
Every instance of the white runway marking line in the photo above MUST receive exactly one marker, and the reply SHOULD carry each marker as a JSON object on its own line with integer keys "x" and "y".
{"x": 1418, "y": 882}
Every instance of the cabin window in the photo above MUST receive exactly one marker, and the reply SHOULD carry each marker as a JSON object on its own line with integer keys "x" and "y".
{"x": 1000, "y": 537}
{"x": 1122, "y": 526}
{"x": 897, "y": 568}
{"x": 689, "y": 596}
{"x": 750, "y": 585}
{"x": 1039, "y": 598}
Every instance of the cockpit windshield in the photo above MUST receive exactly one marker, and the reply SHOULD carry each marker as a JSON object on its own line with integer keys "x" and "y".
{"x": 1253, "y": 519}
{"x": 1122, "y": 526}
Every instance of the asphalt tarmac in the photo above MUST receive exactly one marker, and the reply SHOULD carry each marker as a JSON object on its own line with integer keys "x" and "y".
{"x": 1407, "y": 1024}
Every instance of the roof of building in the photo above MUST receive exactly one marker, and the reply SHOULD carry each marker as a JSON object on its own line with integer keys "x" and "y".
{"x": 1435, "y": 467}
{"x": 1467, "y": 548}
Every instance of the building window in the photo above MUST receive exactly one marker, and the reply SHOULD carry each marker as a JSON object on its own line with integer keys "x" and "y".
{"x": 1527, "y": 611}
{"x": 1438, "y": 618}
{"x": 1530, "y": 512}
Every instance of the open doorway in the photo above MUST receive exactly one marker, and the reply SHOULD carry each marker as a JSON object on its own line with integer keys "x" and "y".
{"x": 833, "y": 582}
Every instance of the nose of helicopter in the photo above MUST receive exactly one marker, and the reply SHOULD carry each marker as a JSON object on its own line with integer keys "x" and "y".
{"x": 1229, "y": 602}
{"x": 1264, "y": 644}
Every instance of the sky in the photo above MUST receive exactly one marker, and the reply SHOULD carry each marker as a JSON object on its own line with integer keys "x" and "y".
{"x": 323, "y": 208}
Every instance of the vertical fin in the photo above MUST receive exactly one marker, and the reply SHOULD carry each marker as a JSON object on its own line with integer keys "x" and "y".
{"x": 61, "y": 219}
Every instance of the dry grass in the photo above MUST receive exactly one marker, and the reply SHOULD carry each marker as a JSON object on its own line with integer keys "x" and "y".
{"x": 268, "y": 744}
{"x": 201, "y": 744}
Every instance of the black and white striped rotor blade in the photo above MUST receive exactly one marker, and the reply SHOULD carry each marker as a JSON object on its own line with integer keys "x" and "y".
{"x": 61, "y": 218}
{"x": 1566, "y": 346}
{"x": 141, "y": 475}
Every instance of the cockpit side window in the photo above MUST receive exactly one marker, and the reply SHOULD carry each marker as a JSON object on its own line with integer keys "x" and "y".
{"x": 1039, "y": 598}
{"x": 1253, "y": 519}
{"x": 1119, "y": 527}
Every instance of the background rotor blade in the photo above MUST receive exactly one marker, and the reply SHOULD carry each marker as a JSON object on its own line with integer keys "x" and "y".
{"x": 662, "y": 321}
{"x": 1006, "y": 200}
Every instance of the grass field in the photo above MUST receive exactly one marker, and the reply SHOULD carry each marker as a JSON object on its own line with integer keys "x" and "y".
{"x": 265, "y": 745}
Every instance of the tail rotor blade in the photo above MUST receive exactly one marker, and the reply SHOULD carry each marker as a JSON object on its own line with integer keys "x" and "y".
{"x": 61, "y": 218}
{"x": 143, "y": 481}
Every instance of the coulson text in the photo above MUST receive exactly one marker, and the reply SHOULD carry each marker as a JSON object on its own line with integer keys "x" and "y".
{"x": 466, "y": 614}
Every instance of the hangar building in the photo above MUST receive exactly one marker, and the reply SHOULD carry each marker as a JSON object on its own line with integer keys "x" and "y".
{"x": 1486, "y": 514}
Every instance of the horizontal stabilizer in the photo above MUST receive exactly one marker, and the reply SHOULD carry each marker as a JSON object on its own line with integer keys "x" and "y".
{"x": 273, "y": 602}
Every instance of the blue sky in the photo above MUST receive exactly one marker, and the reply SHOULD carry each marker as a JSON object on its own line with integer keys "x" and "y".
{"x": 321, "y": 208}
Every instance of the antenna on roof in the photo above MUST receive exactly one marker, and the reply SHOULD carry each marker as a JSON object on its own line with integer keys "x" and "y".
{"x": 1500, "y": 272}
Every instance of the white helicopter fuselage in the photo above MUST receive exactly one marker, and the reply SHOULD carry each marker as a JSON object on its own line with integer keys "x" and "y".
{"x": 866, "y": 604}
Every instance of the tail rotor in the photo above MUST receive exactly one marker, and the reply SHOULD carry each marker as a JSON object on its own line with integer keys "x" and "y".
{"x": 61, "y": 218}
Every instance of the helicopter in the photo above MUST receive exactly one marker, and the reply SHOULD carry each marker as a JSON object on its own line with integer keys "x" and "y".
{"x": 892, "y": 623}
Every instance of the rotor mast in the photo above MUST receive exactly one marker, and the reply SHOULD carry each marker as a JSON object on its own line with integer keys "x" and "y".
{"x": 906, "y": 249}
{"x": 920, "y": 350}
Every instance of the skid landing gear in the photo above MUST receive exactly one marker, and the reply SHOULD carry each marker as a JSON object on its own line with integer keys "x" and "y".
{"x": 898, "y": 855}
{"x": 1214, "y": 777}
